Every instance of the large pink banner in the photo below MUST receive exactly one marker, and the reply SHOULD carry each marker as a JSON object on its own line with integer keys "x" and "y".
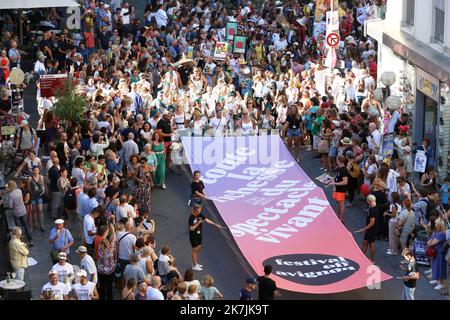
{"x": 278, "y": 216}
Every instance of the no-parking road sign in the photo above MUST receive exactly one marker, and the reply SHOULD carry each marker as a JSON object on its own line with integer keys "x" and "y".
{"x": 333, "y": 40}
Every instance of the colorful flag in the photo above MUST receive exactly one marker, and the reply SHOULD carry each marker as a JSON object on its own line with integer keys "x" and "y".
{"x": 231, "y": 30}
{"x": 239, "y": 44}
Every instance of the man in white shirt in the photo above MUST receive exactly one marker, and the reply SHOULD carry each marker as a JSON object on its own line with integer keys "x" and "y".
{"x": 39, "y": 65}
{"x": 125, "y": 210}
{"x": 374, "y": 141}
{"x": 281, "y": 43}
{"x": 126, "y": 242}
{"x": 129, "y": 147}
{"x": 65, "y": 270}
{"x": 153, "y": 292}
{"x": 161, "y": 17}
{"x": 87, "y": 264}
{"x": 84, "y": 290}
{"x": 125, "y": 14}
{"x": 246, "y": 10}
{"x": 90, "y": 230}
{"x": 218, "y": 124}
{"x": 54, "y": 289}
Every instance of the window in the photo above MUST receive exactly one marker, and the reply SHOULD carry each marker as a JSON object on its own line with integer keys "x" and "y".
{"x": 409, "y": 18}
{"x": 439, "y": 20}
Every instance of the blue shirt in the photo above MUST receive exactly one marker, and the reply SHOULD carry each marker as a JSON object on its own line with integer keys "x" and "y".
{"x": 85, "y": 205}
{"x": 444, "y": 193}
{"x": 64, "y": 238}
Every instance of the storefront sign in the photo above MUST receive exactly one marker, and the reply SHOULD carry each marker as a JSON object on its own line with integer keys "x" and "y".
{"x": 427, "y": 84}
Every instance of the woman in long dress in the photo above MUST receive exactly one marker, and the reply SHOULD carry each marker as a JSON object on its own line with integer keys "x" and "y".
{"x": 144, "y": 185}
{"x": 158, "y": 148}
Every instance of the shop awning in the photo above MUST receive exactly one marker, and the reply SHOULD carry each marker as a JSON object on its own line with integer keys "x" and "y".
{"x": 30, "y": 4}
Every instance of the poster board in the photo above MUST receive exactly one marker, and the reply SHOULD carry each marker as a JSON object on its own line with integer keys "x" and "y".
{"x": 231, "y": 30}
{"x": 239, "y": 44}
{"x": 221, "y": 50}
{"x": 49, "y": 83}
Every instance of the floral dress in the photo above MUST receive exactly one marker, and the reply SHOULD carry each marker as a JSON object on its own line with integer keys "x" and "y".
{"x": 142, "y": 192}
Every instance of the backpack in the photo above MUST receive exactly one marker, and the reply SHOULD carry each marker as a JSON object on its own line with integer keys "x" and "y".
{"x": 70, "y": 199}
{"x": 33, "y": 132}
{"x": 354, "y": 170}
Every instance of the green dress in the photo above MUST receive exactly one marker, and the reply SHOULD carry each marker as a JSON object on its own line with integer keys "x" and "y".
{"x": 160, "y": 173}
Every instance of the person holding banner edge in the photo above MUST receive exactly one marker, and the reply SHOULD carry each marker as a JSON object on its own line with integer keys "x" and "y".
{"x": 195, "y": 234}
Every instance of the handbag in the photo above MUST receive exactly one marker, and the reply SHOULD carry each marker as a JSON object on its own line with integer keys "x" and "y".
{"x": 430, "y": 252}
{"x": 323, "y": 146}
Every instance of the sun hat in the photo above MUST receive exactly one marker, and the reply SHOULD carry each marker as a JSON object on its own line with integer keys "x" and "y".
{"x": 59, "y": 221}
{"x": 346, "y": 141}
{"x": 62, "y": 256}
{"x": 81, "y": 249}
{"x": 53, "y": 271}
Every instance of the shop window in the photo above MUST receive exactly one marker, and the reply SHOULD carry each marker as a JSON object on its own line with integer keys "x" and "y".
{"x": 409, "y": 14}
{"x": 439, "y": 20}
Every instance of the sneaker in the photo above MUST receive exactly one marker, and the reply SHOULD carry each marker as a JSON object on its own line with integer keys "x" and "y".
{"x": 323, "y": 169}
{"x": 427, "y": 271}
{"x": 164, "y": 186}
{"x": 197, "y": 268}
{"x": 434, "y": 282}
{"x": 198, "y": 265}
{"x": 439, "y": 287}
{"x": 391, "y": 253}
{"x": 30, "y": 245}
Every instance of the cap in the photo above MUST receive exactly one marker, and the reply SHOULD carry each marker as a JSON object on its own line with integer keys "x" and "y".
{"x": 62, "y": 256}
{"x": 59, "y": 221}
{"x": 82, "y": 273}
{"x": 165, "y": 112}
{"x": 52, "y": 272}
{"x": 24, "y": 123}
{"x": 336, "y": 123}
{"x": 251, "y": 281}
{"x": 81, "y": 249}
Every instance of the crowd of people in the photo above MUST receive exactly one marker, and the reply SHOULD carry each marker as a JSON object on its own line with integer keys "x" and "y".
{"x": 147, "y": 81}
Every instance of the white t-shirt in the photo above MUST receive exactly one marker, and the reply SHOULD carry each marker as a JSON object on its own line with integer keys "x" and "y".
{"x": 64, "y": 272}
{"x": 126, "y": 244}
{"x": 89, "y": 225}
{"x": 59, "y": 290}
{"x": 154, "y": 294}
{"x": 218, "y": 125}
{"x": 124, "y": 212}
{"x": 84, "y": 292}
{"x": 124, "y": 13}
{"x": 88, "y": 264}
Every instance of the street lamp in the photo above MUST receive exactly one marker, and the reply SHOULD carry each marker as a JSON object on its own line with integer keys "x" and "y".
{"x": 393, "y": 102}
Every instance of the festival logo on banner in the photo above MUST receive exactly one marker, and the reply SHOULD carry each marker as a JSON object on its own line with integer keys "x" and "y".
{"x": 239, "y": 44}
{"x": 231, "y": 30}
{"x": 277, "y": 215}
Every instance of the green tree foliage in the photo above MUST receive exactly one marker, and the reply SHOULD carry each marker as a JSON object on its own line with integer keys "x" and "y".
{"x": 70, "y": 105}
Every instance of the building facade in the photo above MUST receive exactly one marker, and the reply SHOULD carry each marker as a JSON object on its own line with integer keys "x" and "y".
{"x": 414, "y": 42}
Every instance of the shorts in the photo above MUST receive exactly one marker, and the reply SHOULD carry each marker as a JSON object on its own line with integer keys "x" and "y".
{"x": 167, "y": 147}
{"x": 293, "y": 133}
{"x": 339, "y": 196}
{"x": 36, "y": 202}
{"x": 195, "y": 241}
{"x": 333, "y": 151}
{"x": 370, "y": 236}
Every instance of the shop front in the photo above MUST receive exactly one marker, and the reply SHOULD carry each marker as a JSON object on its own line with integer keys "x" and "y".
{"x": 427, "y": 97}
